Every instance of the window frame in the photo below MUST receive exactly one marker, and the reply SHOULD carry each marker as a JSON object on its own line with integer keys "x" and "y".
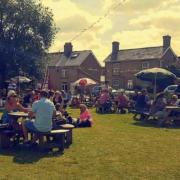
{"x": 145, "y": 65}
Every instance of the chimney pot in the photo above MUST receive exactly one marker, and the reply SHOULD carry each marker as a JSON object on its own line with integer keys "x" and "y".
{"x": 115, "y": 50}
{"x": 68, "y": 48}
{"x": 166, "y": 42}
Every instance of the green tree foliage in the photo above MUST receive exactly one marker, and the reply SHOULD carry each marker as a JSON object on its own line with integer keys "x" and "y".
{"x": 26, "y": 32}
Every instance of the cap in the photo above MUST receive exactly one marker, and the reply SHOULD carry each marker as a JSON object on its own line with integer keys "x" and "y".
{"x": 11, "y": 93}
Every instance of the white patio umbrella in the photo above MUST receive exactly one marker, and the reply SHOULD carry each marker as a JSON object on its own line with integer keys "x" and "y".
{"x": 20, "y": 79}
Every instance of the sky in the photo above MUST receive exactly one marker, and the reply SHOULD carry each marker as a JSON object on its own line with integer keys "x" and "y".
{"x": 134, "y": 23}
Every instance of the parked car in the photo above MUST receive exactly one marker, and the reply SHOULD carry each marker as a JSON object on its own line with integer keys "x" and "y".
{"x": 170, "y": 89}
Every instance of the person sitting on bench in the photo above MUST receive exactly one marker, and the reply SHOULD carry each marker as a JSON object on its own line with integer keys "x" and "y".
{"x": 123, "y": 101}
{"x": 43, "y": 111}
{"x": 85, "y": 118}
{"x": 158, "y": 107}
{"x": 12, "y": 105}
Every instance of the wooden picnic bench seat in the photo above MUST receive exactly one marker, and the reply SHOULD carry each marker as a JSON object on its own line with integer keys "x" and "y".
{"x": 68, "y": 136}
{"x": 55, "y": 139}
{"x": 140, "y": 115}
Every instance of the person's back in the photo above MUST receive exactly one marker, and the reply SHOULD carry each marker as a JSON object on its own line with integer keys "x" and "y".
{"x": 142, "y": 101}
{"x": 43, "y": 110}
{"x": 122, "y": 100}
{"x": 104, "y": 97}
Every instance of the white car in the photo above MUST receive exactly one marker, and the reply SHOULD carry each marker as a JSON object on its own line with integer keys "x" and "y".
{"x": 171, "y": 89}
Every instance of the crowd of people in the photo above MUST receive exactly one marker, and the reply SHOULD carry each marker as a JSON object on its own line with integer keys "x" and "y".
{"x": 46, "y": 111}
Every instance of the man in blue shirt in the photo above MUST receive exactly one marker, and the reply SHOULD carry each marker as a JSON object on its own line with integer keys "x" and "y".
{"x": 43, "y": 111}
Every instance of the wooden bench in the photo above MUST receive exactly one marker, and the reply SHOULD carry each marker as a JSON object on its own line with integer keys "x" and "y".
{"x": 68, "y": 137}
{"x": 143, "y": 115}
{"x": 54, "y": 139}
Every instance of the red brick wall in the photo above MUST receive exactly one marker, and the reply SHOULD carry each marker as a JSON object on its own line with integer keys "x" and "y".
{"x": 89, "y": 67}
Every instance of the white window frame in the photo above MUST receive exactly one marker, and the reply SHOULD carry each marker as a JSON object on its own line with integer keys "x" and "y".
{"x": 115, "y": 83}
{"x": 115, "y": 71}
{"x": 145, "y": 65}
{"x": 130, "y": 84}
{"x": 64, "y": 86}
{"x": 63, "y": 73}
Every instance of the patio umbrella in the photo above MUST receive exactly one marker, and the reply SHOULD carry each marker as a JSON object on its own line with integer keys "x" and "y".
{"x": 155, "y": 75}
{"x": 84, "y": 82}
{"x": 20, "y": 79}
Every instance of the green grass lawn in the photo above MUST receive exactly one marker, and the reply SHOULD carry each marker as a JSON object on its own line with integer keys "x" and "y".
{"x": 115, "y": 148}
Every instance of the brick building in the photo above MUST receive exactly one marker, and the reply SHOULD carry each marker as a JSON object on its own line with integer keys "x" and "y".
{"x": 121, "y": 65}
{"x": 66, "y": 67}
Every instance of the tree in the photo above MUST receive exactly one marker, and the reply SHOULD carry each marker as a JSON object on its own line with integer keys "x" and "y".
{"x": 26, "y": 32}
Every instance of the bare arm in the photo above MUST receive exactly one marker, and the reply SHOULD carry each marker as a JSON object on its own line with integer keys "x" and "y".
{"x": 21, "y": 108}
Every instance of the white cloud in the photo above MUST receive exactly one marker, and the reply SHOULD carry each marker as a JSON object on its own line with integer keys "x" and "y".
{"x": 135, "y": 23}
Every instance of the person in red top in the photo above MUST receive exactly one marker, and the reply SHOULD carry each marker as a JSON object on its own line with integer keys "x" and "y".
{"x": 123, "y": 101}
{"x": 85, "y": 118}
{"x": 12, "y": 105}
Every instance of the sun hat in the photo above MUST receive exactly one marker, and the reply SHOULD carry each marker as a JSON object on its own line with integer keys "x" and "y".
{"x": 11, "y": 93}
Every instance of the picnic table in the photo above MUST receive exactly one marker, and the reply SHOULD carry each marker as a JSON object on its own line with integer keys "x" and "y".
{"x": 58, "y": 138}
{"x": 18, "y": 114}
{"x": 171, "y": 116}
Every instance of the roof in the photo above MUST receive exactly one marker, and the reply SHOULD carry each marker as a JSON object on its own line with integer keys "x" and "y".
{"x": 60, "y": 60}
{"x": 138, "y": 54}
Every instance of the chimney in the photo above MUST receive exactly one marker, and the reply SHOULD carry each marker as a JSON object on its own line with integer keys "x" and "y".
{"x": 166, "y": 42}
{"x": 115, "y": 50}
{"x": 68, "y": 48}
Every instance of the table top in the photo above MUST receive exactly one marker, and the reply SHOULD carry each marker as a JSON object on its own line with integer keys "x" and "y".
{"x": 19, "y": 114}
{"x": 172, "y": 107}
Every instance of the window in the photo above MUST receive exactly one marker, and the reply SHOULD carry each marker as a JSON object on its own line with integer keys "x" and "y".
{"x": 115, "y": 71}
{"x": 102, "y": 78}
{"x": 63, "y": 73}
{"x": 74, "y": 55}
{"x": 65, "y": 86}
{"x": 130, "y": 84}
{"x": 115, "y": 83}
{"x": 145, "y": 65}
{"x": 92, "y": 69}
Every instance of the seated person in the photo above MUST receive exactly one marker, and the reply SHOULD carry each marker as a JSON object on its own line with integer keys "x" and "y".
{"x": 62, "y": 116}
{"x": 43, "y": 110}
{"x": 12, "y": 105}
{"x": 158, "y": 107}
{"x": 60, "y": 119}
{"x": 174, "y": 101}
{"x": 85, "y": 118}
{"x": 104, "y": 101}
{"x": 142, "y": 101}
{"x": 122, "y": 101}
{"x": 75, "y": 102}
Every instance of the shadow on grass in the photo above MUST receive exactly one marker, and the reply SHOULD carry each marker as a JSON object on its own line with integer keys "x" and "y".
{"x": 24, "y": 155}
{"x": 153, "y": 124}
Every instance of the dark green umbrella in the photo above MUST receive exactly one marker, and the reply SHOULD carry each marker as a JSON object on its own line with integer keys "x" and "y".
{"x": 155, "y": 75}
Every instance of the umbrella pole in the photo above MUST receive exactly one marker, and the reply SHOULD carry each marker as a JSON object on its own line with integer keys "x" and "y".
{"x": 155, "y": 86}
